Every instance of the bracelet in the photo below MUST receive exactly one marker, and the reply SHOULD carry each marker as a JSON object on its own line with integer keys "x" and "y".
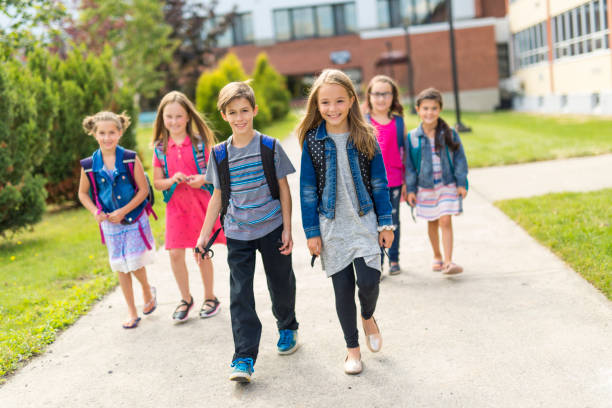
{"x": 386, "y": 228}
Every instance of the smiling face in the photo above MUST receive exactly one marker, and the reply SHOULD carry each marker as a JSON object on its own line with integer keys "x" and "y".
{"x": 107, "y": 134}
{"x": 429, "y": 112}
{"x": 381, "y": 97}
{"x": 239, "y": 114}
{"x": 334, "y": 104}
{"x": 175, "y": 119}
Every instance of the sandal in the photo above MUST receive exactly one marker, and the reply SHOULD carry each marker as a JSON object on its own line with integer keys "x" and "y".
{"x": 452, "y": 269}
{"x": 152, "y": 304}
{"x": 181, "y": 315}
{"x": 132, "y": 324}
{"x": 210, "y": 307}
{"x": 437, "y": 266}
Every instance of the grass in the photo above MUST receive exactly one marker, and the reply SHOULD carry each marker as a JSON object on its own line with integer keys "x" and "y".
{"x": 52, "y": 274}
{"x": 575, "y": 226}
{"x": 501, "y": 138}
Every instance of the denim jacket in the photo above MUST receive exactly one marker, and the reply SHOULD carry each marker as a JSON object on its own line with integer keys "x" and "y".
{"x": 117, "y": 193}
{"x": 313, "y": 205}
{"x": 424, "y": 178}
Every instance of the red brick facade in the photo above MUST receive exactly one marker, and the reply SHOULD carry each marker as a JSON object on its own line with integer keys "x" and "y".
{"x": 476, "y": 57}
{"x": 490, "y": 8}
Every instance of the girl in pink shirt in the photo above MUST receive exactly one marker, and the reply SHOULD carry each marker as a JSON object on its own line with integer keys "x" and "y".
{"x": 182, "y": 142}
{"x": 385, "y": 113}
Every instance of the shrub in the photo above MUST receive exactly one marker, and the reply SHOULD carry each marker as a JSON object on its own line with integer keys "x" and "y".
{"x": 272, "y": 87}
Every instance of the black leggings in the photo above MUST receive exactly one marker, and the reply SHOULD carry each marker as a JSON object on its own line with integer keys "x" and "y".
{"x": 368, "y": 280}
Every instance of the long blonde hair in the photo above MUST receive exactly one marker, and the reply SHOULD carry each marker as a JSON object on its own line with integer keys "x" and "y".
{"x": 196, "y": 125}
{"x": 361, "y": 133}
{"x": 90, "y": 123}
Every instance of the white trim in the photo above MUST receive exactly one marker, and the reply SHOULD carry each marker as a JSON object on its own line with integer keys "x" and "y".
{"x": 597, "y": 53}
{"x": 427, "y": 28}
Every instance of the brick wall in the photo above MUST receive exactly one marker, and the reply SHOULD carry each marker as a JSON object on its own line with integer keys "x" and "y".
{"x": 476, "y": 57}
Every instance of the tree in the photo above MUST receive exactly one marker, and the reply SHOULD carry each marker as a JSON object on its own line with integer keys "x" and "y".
{"x": 196, "y": 26}
{"x": 137, "y": 34}
{"x": 26, "y": 115}
{"x": 272, "y": 87}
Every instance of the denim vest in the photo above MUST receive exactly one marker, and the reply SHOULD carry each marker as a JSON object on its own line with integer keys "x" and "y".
{"x": 117, "y": 193}
{"x": 314, "y": 203}
{"x": 455, "y": 172}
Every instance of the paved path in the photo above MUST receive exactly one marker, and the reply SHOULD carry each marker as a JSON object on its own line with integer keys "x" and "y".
{"x": 518, "y": 329}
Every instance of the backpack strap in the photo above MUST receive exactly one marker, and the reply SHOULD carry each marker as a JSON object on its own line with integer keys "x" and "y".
{"x": 399, "y": 126}
{"x": 415, "y": 152}
{"x": 87, "y": 165}
{"x": 222, "y": 162}
{"x": 200, "y": 158}
{"x": 268, "y": 144}
{"x": 129, "y": 160}
{"x": 161, "y": 156}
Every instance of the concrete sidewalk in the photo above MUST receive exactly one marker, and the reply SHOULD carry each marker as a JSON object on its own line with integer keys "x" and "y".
{"x": 518, "y": 329}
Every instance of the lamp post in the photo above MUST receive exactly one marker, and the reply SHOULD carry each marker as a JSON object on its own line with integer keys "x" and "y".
{"x": 460, "y": 127}
{"x": 409, "y": 69}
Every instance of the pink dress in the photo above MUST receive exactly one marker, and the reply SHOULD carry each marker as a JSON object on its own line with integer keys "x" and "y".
{"x": 186, "y": 210}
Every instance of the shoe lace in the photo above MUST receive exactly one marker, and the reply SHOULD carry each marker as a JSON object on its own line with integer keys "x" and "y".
{"x": 286, "y": 337}
{"x": 243, "y": 364}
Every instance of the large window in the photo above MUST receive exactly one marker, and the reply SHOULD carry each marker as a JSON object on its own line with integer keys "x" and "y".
{"x": 530, "y": 46}
{"x": 316, "y": 21}
{"x": 581, "y": 30}
{"x": 238, "y": 33}
{"x": 397, "y": 13}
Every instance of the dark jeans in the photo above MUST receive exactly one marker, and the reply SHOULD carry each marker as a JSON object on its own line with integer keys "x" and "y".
{"x": 344, "y": 288}
{"x": 246, "y": 326}
{"x": 396, "y": 194}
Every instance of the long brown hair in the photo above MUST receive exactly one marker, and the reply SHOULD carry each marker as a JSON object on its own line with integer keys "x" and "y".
{"x": 396, "y": 105}
{"x": 442, "y": 127}
{"x": 196, "y": 124}
{"x": 361, "y": 133}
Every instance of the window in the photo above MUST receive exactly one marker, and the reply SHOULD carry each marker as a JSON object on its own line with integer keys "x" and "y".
{"x": 581, "y": 30}
{"x": 530, "y": 46}
{"x": 316, "y": 21}
{"x": 238, "y": 33}
{"x": 398, "y": 13}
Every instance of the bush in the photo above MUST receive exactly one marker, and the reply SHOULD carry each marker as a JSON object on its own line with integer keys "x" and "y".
{"x": 26, "y": 114}
{"x": 272, "y": 87}
{"x": 271, "y": 94}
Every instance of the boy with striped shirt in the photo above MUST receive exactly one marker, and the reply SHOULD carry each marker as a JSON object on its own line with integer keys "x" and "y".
{"x": 249, "y": 172}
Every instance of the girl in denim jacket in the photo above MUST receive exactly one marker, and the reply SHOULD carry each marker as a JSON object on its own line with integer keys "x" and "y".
{"x": 346, "y": 211}
{"x": 436, "y": 176}
{"x": 119, "y": 208}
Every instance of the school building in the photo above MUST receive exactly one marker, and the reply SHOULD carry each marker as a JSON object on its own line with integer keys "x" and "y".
{"x": 369, "y": 37}
{"x": 561, "y": 55}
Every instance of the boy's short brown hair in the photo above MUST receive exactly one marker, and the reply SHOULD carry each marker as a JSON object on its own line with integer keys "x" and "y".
{"x": 235, "y": 90}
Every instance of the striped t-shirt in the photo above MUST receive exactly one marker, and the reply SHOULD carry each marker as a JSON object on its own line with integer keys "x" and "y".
{"x": 252, "y": 212}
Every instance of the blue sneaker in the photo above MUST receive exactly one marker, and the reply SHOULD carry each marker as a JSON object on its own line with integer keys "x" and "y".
{"x": 243, "y": 368}
{"x": 287, "y": 343}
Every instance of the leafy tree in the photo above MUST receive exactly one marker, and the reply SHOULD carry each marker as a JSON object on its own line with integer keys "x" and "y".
{"x": 26, "y": 115}
{"x": 195, "y": 26}
{"x": 137, "y": 34}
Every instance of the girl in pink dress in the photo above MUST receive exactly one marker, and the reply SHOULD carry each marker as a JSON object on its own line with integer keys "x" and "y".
{"x": 182, "y": 142}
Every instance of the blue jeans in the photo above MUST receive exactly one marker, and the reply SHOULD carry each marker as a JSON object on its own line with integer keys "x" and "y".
{"x": 395, "y": 194}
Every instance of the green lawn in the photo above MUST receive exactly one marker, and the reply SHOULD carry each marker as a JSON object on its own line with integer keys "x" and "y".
{"x": 575, "y": 226}
{"x": 511, "y": 137}
{"x": 53, "y": 274}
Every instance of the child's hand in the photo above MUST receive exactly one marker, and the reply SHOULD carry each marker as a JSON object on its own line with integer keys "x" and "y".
{"x": 202, "y": 241}
{"x": 287, "y": 246}
{"x": 314, "y": 245}
{"x": 178, "y": 177}
{"x": 411, "y": 199}
{"x": 101, "y": 216}
{"x": 196, "y": 180}
{"x": 462, "y": 192}
{"x": 116, "y": 216}
{"x": 385, "y": 238}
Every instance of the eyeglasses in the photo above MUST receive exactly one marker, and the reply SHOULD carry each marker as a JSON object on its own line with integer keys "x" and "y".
{"x": 384, "y": 95}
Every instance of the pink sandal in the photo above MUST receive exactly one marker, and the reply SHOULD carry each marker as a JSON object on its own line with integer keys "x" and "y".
{"x": 437, "y": 266}
{"x": 452, "y": 269}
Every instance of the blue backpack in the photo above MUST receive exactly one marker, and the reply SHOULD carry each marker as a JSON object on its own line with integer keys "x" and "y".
{"x": 199, "y": 157}
{"x": 415, "y": 155}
